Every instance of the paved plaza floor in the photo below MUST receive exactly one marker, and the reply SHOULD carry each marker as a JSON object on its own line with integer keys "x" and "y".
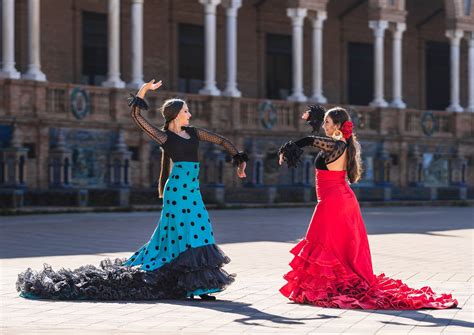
{"x": 421, "y": 245}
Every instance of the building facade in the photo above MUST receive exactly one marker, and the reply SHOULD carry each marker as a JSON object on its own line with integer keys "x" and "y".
{"x": 404, "y": 70}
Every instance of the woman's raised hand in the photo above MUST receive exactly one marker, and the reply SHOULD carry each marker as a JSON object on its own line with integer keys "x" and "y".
{"x": 241, "y": 170}
{"x": 281, "y": 159}
{"x": 151, "y": 85}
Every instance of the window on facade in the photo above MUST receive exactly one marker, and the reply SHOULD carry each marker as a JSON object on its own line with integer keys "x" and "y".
{"x": 467, "y": 7}
{"x": 31, "y": 150}
{"x": 437, "y": 73}
{"x": 135, "y": 153}
{"x": 191, "y": 58}
{"x": 94, "y": 48}
{"x": 6, "y": 133}
{"x": 278, "y": 66}
{"x": 1, "y": 35}
{"x": 361, "y": 73}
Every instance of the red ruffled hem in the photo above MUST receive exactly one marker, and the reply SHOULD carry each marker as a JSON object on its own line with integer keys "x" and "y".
{"x": 319, "y": 278}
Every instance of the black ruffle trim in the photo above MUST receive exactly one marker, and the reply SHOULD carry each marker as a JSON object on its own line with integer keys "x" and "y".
{"x": 239, "y": 158}
{"x": 291, "y": 153}
{"x": 316, "y": 117}
{"x": 137, "y": 101}
{"x": 196, "y": 268}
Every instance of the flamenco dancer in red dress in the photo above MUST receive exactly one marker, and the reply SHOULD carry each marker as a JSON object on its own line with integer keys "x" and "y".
{"x": 332, "y": 266}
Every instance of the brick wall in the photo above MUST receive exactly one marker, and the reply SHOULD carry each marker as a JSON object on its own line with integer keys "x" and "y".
{"x": 61, "y": 42}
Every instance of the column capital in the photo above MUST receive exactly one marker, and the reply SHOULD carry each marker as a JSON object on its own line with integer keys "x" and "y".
{"x": 232, "y": 4}
{"x": 470, "y": 38}
{"x": 297, "y": 15}
{"x": 378, "y": 26}
{"x": 210, "y": 6}
{"x": 397, "y": 29}
{"x": 317, "y": 18}
{"x": 210, "y": 2}
{"x": 137, "y": 2}
{"x": 454, "y": 35}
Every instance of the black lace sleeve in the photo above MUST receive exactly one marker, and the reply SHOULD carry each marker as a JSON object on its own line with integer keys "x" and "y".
{"x": 137, "y": 105}
{"x": 332, "y": 149}
{"x": 207, "y": 136}
{"x": 291, "y": 153}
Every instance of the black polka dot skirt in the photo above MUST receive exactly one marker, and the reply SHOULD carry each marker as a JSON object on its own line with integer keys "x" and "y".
{"x": 180, "y": 259}
{"x": 184, "y": 227}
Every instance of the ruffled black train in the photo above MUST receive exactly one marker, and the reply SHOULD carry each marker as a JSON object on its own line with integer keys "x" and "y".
{"x": 195, "y": 268}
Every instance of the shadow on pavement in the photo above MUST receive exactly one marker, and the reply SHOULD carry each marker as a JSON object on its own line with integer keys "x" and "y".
{"x": 418, "y": 315}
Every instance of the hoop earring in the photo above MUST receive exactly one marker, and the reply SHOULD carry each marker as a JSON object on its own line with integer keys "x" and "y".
{"x": 337, "y": 135}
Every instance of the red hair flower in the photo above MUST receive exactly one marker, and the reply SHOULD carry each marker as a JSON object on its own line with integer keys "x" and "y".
{"x": 346, "y": 129}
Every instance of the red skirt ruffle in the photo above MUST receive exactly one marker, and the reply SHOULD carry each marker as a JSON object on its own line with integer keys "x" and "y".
{"x": 332, "y": 266}
{"x": 319, "y": 278}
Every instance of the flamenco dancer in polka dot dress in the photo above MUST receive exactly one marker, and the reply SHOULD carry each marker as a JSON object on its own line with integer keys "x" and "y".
{"x": 181, "y": 258}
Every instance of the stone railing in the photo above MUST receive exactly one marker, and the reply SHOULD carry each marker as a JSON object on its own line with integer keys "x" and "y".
{"x": 56, "y": 101}
{"x": 395, "y": 142}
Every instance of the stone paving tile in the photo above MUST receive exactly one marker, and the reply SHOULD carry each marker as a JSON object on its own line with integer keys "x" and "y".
{"x": 422, "y": 246}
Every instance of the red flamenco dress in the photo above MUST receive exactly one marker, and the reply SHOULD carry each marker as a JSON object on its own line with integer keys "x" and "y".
{"x": 332, "y": 266}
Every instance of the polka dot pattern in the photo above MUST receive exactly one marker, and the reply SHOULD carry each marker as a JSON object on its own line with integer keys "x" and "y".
{"x": 184, "y": 221}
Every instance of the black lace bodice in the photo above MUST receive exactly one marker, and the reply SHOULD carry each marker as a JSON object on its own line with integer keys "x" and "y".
{"x": 330, "y": 149}
{"x": 176, "y": 146}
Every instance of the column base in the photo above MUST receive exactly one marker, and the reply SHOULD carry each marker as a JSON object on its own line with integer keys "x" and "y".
{"x": 299, "y": 97}
{"x": 116, "y": 83}
{"x": 210, "y": 90}
{"x": 34, "y": 74}
{"x": 135, "y": 84}
{"x": 9, "y": 74}
{"x": 470, "y": 109}
{"x": 454, "y": 108}
{"x": 232, "y": 92}
{"x": 398, "y": 103}
{"x": 318, "y": 99}
{"x": 379, "y": 103}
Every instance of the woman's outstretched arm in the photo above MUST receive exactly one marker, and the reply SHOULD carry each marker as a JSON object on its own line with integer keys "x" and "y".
{"x": 138, "y": 103}
{"x": 238, "y": 158}
{"x": 291, "y": 151}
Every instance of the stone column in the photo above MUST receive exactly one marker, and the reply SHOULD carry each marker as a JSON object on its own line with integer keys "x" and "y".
{"x": 318, "y": 21}
{"x": 397, "y": 31}
{"x": 113, "y": 76}
{"x": 210, "y": 87}
{"x": 137, "y": 44}
{"x": 14, "y": 160}
{"x": 34, "y": 46}
{"x": 232, "y": 7}
{"x": 415, "y": 167}
{"x": 8, "y": 40}
{"x": 455, "y": 36}
{"x": 297, "y": 16}
{"x": 119, "y": 163}
{"x": 470, "y": 79}
{"x": 379, "y": 32}
{"x": 60, "y": 163}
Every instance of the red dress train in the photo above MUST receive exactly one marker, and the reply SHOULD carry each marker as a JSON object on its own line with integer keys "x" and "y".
{"x": 332, "y": 266}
